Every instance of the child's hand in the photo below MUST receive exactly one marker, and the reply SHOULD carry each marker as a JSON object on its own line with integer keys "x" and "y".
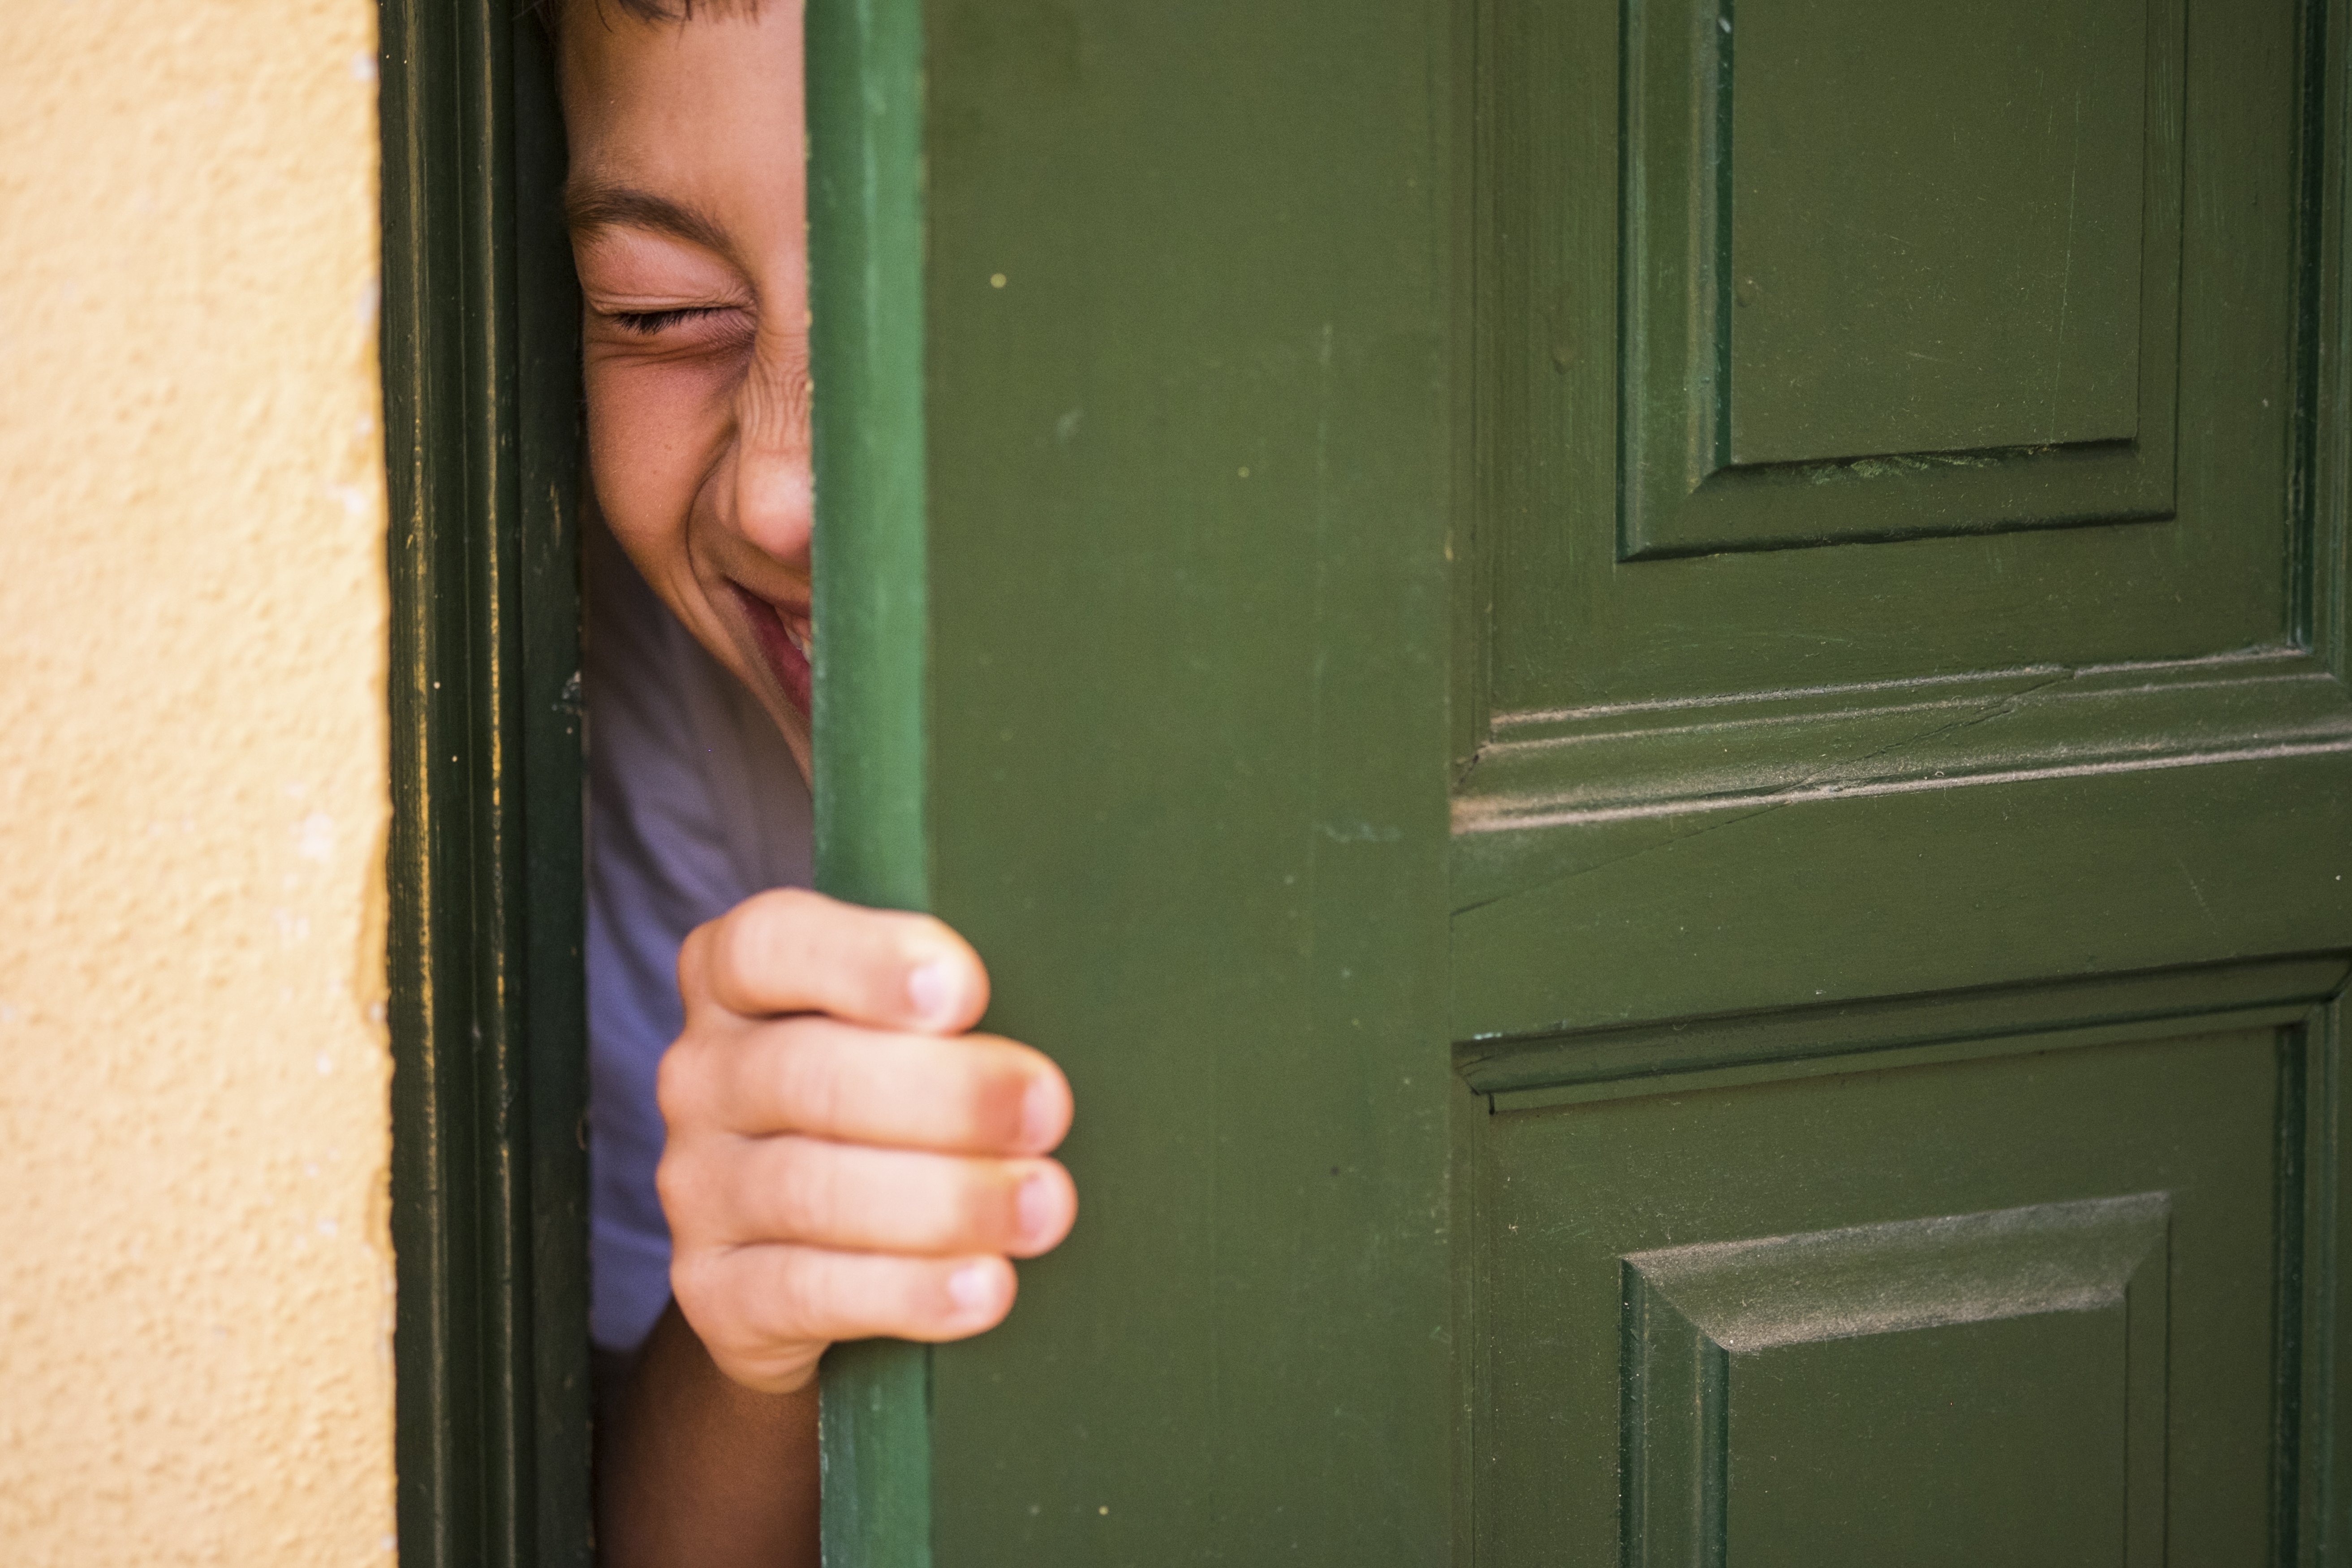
{"x": 838, "y": 1165}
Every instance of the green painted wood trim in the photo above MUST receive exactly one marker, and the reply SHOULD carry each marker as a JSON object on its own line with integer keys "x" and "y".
{"x": 552, "y": 439}
{"x": 2314, "y": 1525}
{"x": 1992, "y": 1021}
{"x": 2315, "y": 1520}
{"x": 866, "y": 230}
{"x": 2322, "y": 586}
{"x": 865, "y": 278}
{"x": 479, "y": 347}
{"x": 1188, "y": 754}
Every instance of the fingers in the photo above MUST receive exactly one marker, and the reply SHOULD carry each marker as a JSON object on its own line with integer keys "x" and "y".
{"x": 797, "y": 952}
{"x": 767, "y": 1312}
{"x": 971, "y": 1095}
{"x": 846, "y": 1195}
{"x": 837, "y": 1167}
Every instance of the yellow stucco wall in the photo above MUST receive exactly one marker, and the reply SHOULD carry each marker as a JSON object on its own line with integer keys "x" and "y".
{"x": 195, "y": 1269}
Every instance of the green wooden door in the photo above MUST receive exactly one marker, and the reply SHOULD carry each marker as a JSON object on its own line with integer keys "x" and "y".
{"x": 1652, "y": 699}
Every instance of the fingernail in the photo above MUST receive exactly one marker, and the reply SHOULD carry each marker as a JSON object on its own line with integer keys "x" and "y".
{"x": 969, "y": 1287}
{"x": 1035, "y": 1206}
{"x": 1041, "y": 1116}
{"x": 931, "y": 989}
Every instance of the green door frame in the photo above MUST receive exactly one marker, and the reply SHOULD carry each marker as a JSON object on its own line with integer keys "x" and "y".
{"x": 864, "y": 86}
{"x": 487, "y": 1010}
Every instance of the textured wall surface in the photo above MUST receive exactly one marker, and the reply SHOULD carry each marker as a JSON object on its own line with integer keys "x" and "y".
{"x": 194, "y": 1273}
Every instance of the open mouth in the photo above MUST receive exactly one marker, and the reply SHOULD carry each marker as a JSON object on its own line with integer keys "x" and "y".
{"x": 784, "y": 642}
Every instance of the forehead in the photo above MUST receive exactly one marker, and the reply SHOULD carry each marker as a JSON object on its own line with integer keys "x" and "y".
{"x": 685, "y": 107}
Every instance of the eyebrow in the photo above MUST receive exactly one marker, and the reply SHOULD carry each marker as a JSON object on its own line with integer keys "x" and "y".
{"x": 588, "y": 209}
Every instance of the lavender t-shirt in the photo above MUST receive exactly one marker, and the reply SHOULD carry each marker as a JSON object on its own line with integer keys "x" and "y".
{"x": 694, "y": 804}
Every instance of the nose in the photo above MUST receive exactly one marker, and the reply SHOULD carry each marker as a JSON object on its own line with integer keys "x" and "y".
{"x": 772, "y": 496}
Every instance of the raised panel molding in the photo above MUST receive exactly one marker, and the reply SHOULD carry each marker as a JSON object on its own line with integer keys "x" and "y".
{"x": 1689, "y": 1054}
{"x": 1753, "y": 749}
{"x": 2071, "y": 1306}
{"x": 1880, "y": 285}
{"x": 1699, "y": 1321}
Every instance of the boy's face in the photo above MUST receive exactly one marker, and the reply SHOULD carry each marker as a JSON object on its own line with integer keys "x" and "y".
{"x": 688, "y": 219}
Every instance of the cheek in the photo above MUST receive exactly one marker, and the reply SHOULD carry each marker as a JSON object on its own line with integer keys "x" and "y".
{"x": 655, "y": 432}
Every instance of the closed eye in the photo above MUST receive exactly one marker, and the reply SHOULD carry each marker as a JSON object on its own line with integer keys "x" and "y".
{"x": 646, "y": 323}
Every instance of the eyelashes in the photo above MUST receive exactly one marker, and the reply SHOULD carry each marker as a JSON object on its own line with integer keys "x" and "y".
{"x": 651, "y": 324}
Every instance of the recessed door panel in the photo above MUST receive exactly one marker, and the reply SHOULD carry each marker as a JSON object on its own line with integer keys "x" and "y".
{"x": 1904, "y": 279}
{"x": 1891, "y": 273}
{"x": 1773, "y": 1385}
{"x": 1865, "y": 1433}
{"x": 1827, "y": 344}
{"x": 2022, "y": 1309}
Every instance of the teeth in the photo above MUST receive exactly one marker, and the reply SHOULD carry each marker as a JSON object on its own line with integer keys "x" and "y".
{"x": 800, "y": 639}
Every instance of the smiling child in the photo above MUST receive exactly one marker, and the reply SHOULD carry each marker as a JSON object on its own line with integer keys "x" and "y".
{"x": 840, "y": 1159}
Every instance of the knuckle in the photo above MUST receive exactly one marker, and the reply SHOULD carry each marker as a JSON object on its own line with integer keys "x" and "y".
{"x": 811, "y": 1200}
{"x": 697, "y": 1280}
{"x": 795, "y": 1301}
{"x": 982, "y": 1215}
{"x": 678, "y": 1082}
{"x": 683, "y": 1186}
{"x": 694, "y": 963}
{"x": 796, "y": 903}
{"x": 752, "y": 1312}
{"x": 764, "y": 931}
{"x": 807, "y": 1079}
{"x": 741, "y": 937}
{"x": 775, "y": 914}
